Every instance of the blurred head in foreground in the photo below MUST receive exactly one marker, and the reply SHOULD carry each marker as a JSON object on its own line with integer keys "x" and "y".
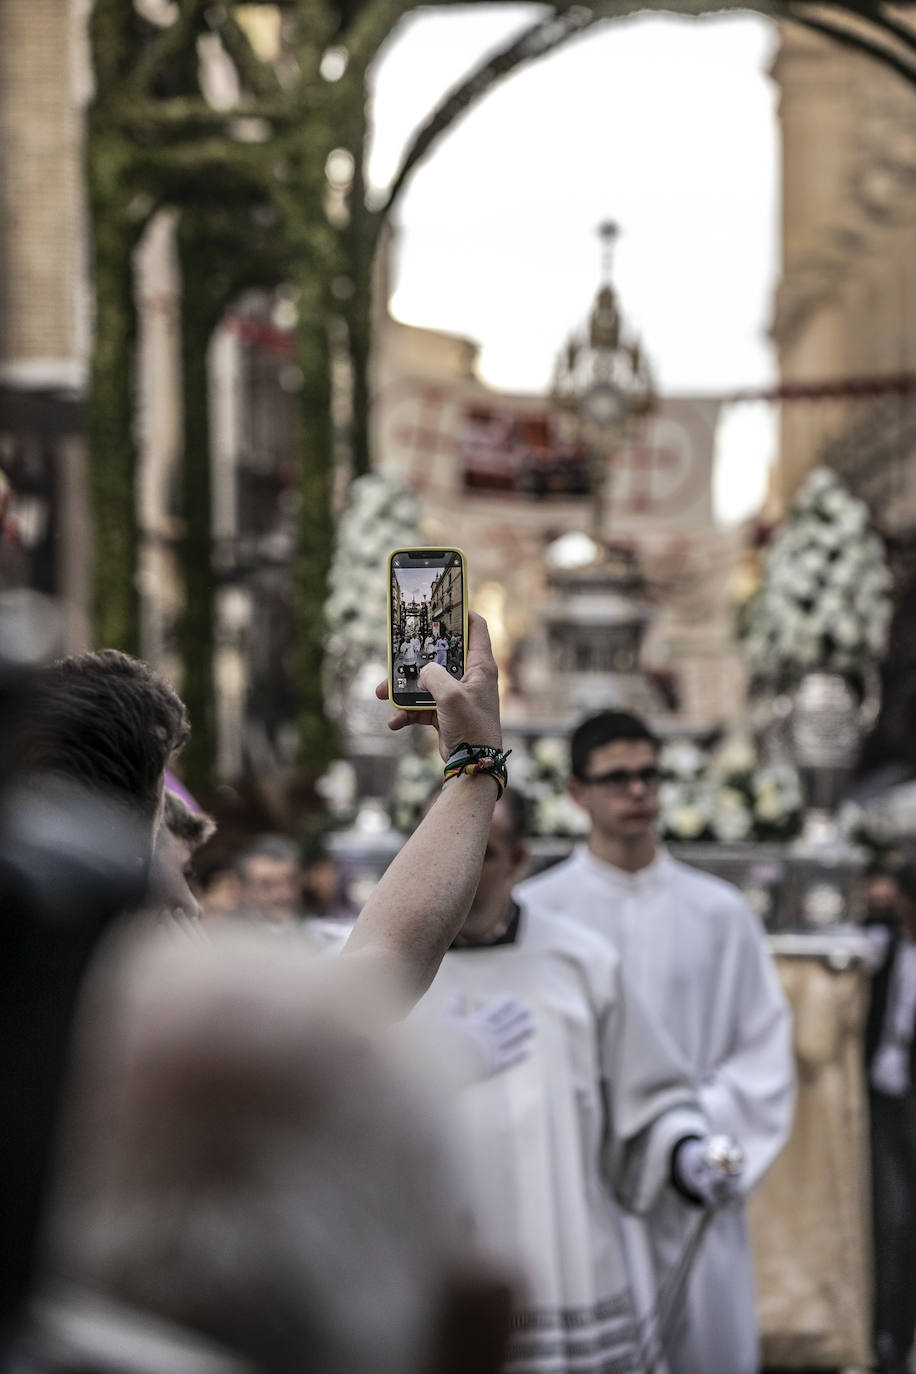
{"x": 248, "y": 1158}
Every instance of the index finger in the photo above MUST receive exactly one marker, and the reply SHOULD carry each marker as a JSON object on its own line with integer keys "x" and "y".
{"x": 480, "y": 650}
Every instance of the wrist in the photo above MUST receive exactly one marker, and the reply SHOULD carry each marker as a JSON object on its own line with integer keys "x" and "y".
{"x": 476, "y": 780}
{"x": 470, "y": 759}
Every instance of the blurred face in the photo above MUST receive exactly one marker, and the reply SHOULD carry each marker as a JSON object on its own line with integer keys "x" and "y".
{"x": 620, "y": 789}
{"x": 223, "y": 893}
{"x": 271, "y": 884}
{"x": 323, "y": 881}
{"x": 505, "y": 854}
{"x": 881, "y": 898}
{"x": 170, "y": 870}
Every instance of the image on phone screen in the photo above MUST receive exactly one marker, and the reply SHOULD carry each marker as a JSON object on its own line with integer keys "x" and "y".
{"x": 427, "y": 620}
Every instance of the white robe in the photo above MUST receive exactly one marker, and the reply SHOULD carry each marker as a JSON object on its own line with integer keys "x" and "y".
{"x": 557, "y": 1142}
{"x": 696, "y": 952}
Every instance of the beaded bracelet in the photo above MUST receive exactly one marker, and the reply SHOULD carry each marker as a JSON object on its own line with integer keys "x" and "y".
{"x": 479, "y": 758}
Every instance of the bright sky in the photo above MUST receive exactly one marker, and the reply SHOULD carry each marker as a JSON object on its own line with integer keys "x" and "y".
{"x": 667, "y": 126}
{"x": 414, "y": 582}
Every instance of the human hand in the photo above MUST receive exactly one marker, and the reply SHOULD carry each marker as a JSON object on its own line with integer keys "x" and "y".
{"x": 175, "y": 921}
{"x": 708, "y": 1171}
{"x": 494, "y": 1036}
{"x": 890, "y": 1071}
{"x": 466, "y": 711}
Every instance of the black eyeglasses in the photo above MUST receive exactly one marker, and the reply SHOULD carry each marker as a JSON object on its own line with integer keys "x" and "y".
{"x": 622, "y": 779}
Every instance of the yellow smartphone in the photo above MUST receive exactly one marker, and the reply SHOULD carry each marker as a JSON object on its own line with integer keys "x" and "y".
{"x": 427, "y": 620}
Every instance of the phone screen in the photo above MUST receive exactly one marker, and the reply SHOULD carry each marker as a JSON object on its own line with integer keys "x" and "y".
{"x": 427, "y": 619}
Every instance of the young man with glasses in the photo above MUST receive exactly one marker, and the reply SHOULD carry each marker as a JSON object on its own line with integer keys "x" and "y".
{"x": 692, "y": 947}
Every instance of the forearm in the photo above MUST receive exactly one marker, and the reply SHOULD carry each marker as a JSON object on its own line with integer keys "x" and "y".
{"x": 424, "y": 896}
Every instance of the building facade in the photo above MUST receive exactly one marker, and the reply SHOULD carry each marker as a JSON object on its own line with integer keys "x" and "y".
{"x": 845, "y": 308}
{"x": 44, "y": 87}
{"x": 845, "y": 317}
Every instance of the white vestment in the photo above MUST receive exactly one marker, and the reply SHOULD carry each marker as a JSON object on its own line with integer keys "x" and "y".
{"x": 558, "y": 1141}
{"x": 695, "y": 951}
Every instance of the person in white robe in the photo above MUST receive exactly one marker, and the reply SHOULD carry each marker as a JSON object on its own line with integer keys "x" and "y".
{"x": 695, "y": 951}
{"x": 565, "y": 1126}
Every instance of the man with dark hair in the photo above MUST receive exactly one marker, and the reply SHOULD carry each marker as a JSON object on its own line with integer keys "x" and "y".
{"x": 108, "y": 722}
{"x": 890, "y": 1045}
{"x": 690, "y": 944}
{"x": 604, "y": 728}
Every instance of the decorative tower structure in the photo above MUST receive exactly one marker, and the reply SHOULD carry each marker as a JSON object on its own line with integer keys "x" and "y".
{"x": 597, "y": 611}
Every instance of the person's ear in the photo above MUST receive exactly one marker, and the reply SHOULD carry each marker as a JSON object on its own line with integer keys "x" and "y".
{"x": 577, "y": 790}
{"x": 472, "y": 1333}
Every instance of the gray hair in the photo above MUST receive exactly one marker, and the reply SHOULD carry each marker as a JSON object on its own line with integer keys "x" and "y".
{"x": 269, "y": 846}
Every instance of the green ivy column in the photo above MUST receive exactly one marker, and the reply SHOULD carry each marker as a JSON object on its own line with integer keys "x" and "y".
{"x": 112, "y": 449}
{"x": 359, "y": 246}
{"x": 113, "y": 463}
{"x": 200, "y": 308}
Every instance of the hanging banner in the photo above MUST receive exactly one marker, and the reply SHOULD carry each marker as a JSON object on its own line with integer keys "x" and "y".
{"x": 463, "y": 440}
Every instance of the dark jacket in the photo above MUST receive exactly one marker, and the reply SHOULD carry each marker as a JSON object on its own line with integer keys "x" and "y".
{"x": 880, "y": 991}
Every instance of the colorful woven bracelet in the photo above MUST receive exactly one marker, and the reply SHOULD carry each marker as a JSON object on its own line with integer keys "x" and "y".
{"x": 479, "y": 758}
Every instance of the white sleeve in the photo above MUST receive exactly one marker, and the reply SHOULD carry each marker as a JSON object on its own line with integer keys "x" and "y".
{"x": 651, "y": 1099}
{"x": 750, "y": 1093}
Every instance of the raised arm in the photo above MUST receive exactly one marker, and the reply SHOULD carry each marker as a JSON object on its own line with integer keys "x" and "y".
{"x": 422, "y": 899}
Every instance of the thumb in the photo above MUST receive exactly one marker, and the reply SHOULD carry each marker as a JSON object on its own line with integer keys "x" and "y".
{"x": 433, "y": 676}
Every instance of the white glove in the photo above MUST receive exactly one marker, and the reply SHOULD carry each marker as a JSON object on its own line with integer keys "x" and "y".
{"x": 492, "y": 1037}
{"x": 709, "y": 1170}
{"x": 890, "y": 1071}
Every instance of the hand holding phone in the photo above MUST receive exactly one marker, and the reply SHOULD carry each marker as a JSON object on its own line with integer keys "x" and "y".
{"x": 466, "y": 710}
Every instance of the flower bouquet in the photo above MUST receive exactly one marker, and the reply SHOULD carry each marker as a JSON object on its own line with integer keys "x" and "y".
{"x": 825, "y": 598}
{"x": 539, "y": 768}
{"x": 727, "y": 796}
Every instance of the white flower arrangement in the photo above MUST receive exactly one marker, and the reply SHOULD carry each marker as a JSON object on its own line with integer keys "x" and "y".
{"x": 381, "y": 515}
{"x": 558, "y": 815}
{"x": 682, "y": 759}
{"x": 537, "y": 769}
{"x": 337, "y": 789}
{"x": 540, "y": 769}
{"x": 416, "y": 776}
{"x": 825, "y": 600}
{"x": 870, "y": 831}
{"x": 727, "y": 796}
